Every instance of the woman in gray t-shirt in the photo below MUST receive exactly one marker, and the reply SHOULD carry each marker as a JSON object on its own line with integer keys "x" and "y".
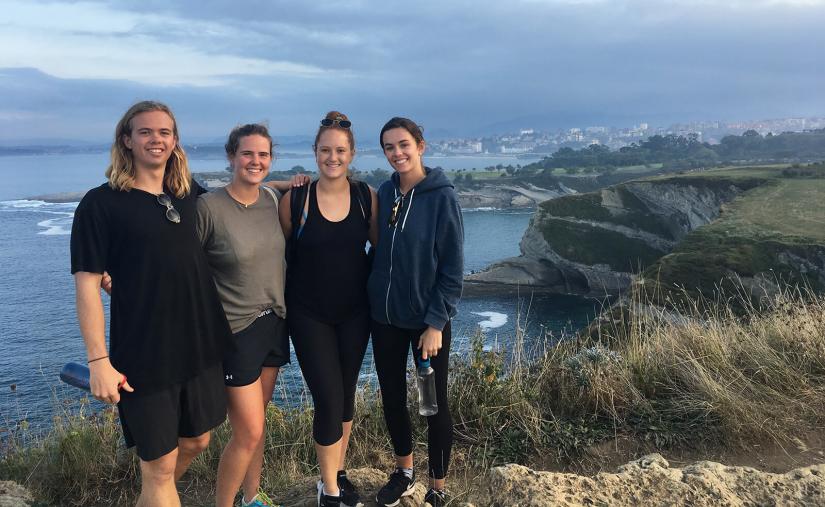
{"x": 244, "y": 245}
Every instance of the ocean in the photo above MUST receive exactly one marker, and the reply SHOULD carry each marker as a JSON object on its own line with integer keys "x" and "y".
{"x": 38, "y": 326}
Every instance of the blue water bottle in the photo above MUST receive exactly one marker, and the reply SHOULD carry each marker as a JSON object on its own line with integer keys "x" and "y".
{"x": 75, "y": 374}
{"x": 425, "y": 376}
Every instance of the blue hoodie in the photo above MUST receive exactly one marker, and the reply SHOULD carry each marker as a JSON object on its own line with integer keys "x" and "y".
{"x": 418, "y": 268}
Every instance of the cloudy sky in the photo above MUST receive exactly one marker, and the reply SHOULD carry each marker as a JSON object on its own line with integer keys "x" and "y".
{"x": 69, "y": 69}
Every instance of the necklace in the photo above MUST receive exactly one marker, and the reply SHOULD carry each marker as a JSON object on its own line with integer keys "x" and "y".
{"x": 238, "y": 200}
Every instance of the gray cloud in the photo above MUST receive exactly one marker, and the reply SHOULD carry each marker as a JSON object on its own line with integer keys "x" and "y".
{"x": 462, "y": 66}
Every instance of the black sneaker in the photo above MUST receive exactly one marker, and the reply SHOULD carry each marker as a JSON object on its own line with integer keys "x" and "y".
{"x": 436, "y": 498}
{"x": 349, "y": 493}
{"x": 325, "y": 500}
{"x": 399, "y": 485}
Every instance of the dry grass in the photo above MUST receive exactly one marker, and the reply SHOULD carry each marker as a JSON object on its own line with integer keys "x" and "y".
{"x": 705, "y": 377}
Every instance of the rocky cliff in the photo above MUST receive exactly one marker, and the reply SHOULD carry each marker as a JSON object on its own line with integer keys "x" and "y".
{"x": 593, "y": 243}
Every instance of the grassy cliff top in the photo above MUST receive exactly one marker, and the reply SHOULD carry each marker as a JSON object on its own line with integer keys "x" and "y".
{"x": 782, "y": 203}
{"x": 773, "y": 229}
{"x": 788, "y": 209}
{"x": 782, "y": 217}
{"x": 788, "y": 205}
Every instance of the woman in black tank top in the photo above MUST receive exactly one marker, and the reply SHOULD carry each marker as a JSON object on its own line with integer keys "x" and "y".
{"x": 326, "y": 295}
{"x": 327, "y": 279}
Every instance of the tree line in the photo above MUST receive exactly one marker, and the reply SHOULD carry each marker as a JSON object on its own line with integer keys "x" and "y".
{"x": 685, "y": 152}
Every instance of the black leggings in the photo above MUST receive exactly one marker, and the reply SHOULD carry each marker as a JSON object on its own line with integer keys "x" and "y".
{"x": 390, "y": 346}
{"x": 330, "y": 357}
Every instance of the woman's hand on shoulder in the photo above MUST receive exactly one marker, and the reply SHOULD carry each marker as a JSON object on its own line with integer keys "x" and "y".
{"x": 283, "y": 186}
{"x": 299, "y": 180}
{"x": 430, "y": 342}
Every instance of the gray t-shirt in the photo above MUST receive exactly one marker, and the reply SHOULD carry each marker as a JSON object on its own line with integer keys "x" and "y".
{"x": 245, "y": 249}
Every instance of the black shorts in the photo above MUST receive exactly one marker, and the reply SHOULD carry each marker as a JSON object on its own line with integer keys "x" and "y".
{"x": 153, "y": 422}
{"x": 265, "y": 342}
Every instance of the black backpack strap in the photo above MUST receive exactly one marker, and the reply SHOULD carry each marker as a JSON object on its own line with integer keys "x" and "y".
{"x": 364, "y": 200}
{"x": 297, "y": 204}
{"x": 298, "y": 208}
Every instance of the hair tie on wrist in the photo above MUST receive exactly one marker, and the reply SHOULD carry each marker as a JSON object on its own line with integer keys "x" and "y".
{"x": 98, "y": 359}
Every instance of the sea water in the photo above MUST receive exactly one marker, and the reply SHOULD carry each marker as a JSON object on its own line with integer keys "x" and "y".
{"x": 38, "y": 324}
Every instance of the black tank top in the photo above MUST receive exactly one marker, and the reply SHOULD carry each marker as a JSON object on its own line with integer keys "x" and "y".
{"x": 327, "y": 278}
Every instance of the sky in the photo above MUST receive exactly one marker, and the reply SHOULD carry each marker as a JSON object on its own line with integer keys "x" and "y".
{"x": 68, "y": 70}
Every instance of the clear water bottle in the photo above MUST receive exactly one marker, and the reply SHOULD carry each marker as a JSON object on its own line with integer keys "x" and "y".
{"x": 75, "y": 374}
{"x": 425, "y": 376}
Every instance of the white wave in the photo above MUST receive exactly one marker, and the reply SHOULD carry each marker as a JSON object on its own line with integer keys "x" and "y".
{"x": 23, "y": 203}
{"x": 481, "y": 208}
{"x": 505, "y": 211}
{"x": 57, "y": 226}
{"x": 61, "y": 213}
{"x": 492, "y": 320}
{"x": 38, "y": 206}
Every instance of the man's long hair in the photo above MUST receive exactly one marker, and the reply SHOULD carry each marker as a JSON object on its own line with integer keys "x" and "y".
{"x": 121, "y": 170}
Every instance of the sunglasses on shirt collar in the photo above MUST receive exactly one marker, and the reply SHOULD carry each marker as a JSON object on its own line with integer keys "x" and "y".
{"x": 171, "y": 213}
{"x": 395, "y": 212}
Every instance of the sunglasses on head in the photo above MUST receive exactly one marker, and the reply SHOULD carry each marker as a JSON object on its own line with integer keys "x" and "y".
{"x": 171, "y": 213}
{"x": 344, "y": 124}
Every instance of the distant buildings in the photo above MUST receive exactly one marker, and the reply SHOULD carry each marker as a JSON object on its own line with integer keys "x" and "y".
{"x": 528, "y": 140}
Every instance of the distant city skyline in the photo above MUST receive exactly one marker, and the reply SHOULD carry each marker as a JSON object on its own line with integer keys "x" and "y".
{"x": 68, "y": 69}
{"x": 523, "y": 142}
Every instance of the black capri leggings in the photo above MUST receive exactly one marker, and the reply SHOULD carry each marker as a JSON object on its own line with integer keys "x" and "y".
{"x": 390, "y": 346}
{"x": 330, "y": 358}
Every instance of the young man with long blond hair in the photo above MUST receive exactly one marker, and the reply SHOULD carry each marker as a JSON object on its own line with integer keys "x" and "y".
{"x": 168, "y": 332}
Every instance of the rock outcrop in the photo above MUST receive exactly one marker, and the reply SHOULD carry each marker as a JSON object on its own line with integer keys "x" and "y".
{"x": 646, "y": 481}
{"x": 491, "y": 195}
{"x": 14, "y": 495}
{"x": 651, "y": 481}
{"x": 591, "y": 244}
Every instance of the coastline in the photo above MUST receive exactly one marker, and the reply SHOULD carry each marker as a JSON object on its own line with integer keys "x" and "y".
{"x": 57, "y": 198}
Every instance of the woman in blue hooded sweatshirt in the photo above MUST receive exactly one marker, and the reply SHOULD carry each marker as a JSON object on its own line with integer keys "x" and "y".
{"x": 414, "y": 287}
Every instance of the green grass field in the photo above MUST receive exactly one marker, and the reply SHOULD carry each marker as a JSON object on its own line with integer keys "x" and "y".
{"x": 478, "y": 174}
{"x": 632, "y": 169}
{"x": 790, "y": 209}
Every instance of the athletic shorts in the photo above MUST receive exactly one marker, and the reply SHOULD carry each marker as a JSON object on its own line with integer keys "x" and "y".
{"x": 153, "y": 422}
{"x": 265, "y": 342}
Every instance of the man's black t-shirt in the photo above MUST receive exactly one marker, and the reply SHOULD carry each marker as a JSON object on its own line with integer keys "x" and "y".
{"x": 167, "y": 322}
